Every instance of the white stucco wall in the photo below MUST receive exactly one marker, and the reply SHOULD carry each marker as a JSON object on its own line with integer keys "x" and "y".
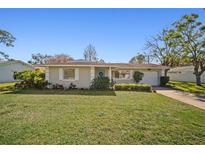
{"x": 83, "y": 81}
{"x": 7, "y": 71}
{"x": 150, "y": 77}
{"x": 184, "y": 74}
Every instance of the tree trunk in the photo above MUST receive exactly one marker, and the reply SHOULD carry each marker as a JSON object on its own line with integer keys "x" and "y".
{"x": 198, "y": 80}
{"x": 197, "y": 74}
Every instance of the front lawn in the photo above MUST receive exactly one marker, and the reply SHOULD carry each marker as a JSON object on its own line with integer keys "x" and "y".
{"x": 7, "y": 84}
{"x": 188, "y": 87}
{"x": 6, "y": 87}
{"x": 97, "y": 117}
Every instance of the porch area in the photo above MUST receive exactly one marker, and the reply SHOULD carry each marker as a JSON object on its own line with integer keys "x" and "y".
{"x": 125, "y": 75}
{"x": 111, "y": 73}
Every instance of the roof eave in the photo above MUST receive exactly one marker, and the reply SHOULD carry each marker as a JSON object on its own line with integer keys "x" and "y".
{"x": 103, "y": 65}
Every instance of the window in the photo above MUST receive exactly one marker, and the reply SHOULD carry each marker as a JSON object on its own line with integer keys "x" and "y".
{"x": 69, "y": 74}
{"x": 122, "y": 74}
{"x": 116, "y": 74}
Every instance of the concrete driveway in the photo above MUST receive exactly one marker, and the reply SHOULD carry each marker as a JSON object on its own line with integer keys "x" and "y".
{"x": 182, "y": 96}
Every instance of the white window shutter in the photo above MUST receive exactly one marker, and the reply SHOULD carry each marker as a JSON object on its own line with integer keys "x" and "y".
{"x": 60, "y": 74}
{"x": 76, "y": 73}
{"x": 92, "y": 73}
{"x": 47, "y": 74}
{"x": 131, "y": 74}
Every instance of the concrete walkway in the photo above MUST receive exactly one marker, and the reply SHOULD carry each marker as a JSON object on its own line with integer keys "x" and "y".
{"x": 182, "y": 96}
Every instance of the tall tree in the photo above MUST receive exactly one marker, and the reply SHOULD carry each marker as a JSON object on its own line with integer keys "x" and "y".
{"x": 4, "y": 57}
{"x": 101, "y": 61}
{"x": 163, "y": 49}
{"x": 90, "y": 53}
{"x": 39, "y": 59}
{"x": 47, "y": 59}
{"x": 7, "y": 39}
{"x": 139, "y": 59}
{"x": 61, "y": 58}
{"x": 190, "y": 34}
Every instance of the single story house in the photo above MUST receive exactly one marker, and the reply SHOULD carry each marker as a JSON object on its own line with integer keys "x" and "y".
{"x": 8, "y": 68}
{"x": 185, "y": 74}
{"x": 81, "y": 73}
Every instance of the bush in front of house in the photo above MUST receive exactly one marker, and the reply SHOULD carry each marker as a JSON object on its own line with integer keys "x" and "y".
{"x": 101, "y": 83}
{"x": 72, "y": 86}
{"x": 137, "y": 76}
{"x": 164, "y": 80}
{"x": 133, "y": 87}
{"x": 31, "y": 79}
{"x": 57, "y": 86}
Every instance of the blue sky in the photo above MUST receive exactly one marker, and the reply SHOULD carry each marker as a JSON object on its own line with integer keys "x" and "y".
{"x": 117, "y": 34}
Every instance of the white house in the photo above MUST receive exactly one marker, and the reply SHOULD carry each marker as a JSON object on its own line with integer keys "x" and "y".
{"x": 185, "y": 74}
{"x": 81, "y": 73}
{"x": 7, "y": 69}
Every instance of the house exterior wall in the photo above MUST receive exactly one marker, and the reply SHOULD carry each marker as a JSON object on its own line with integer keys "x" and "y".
{"x": 184, "y": 76}
{"x": 150, "y": 77}
{"x": 7, "y": 71}
{"x": 84, "y": 77}
{"x": 99, "y": 69}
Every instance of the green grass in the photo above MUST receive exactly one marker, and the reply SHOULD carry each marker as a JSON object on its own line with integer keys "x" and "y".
{"x": 7, "y": 84}
{"x": 6, "y": 87}
{"x": 97, "y": 117}
{"x": 188, "y": 87}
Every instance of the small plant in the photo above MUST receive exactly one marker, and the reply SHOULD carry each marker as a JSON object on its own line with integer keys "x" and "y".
{"x": 57, "y": 86}
{"x": 102, "y": 83}
{"x": 137, "y": 76}
{"x": 72, "y": 86}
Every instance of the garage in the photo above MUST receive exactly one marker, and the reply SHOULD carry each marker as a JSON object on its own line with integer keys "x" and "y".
{"x": 151, "y": 78}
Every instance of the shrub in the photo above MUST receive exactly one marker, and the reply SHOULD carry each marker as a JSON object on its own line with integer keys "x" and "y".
{"x": 102, "y": 83}
{"x": 133, "y": 87}
{"x": 31, "y": 79}
{"x": 164, "y": 80}
{"x": 72, "y": 86}
{"x": 57, "y": 86}
{"x": 137, "y": 76}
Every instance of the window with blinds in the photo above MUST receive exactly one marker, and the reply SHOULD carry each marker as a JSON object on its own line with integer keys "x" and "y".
{"x": 69, "y": 74}
{"x": 121, "y": 74}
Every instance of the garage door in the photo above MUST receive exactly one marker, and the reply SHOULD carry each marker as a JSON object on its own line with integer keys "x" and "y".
{"x": 150, "y": 78}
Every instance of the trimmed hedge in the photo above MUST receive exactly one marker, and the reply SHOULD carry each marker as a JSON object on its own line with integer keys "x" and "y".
{"x": 133, "y": 87}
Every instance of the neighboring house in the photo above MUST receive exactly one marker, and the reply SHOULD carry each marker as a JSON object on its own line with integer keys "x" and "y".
{"x": 82, "y": 73}
{"x": 185, "y": 73}
{"x": 8, "y": 68}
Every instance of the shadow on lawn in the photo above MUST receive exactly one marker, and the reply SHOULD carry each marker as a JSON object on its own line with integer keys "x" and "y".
{"x": 63, "y": 92}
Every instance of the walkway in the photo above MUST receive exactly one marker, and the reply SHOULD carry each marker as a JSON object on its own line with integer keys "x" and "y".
{"x": 182, "y": 96}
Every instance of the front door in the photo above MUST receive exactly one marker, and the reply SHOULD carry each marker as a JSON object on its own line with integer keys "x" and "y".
{"x": 100, "y": 72}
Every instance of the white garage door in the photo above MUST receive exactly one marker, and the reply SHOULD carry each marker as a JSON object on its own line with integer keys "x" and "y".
{"x": 151, "y": 78}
